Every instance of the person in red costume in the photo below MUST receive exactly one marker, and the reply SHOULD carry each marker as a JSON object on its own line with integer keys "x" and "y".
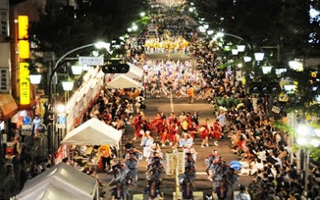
{"x": 137, "y": 124}
{"x": 204, "y": 133}
{"x": 216, "y": 131}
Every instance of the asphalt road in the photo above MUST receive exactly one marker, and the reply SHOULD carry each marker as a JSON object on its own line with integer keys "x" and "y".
{"x": 168, "y": 183}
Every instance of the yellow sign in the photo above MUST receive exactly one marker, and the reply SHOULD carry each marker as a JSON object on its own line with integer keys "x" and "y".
{"x": 24, "y": 83}
{"x": 24, "y": 45}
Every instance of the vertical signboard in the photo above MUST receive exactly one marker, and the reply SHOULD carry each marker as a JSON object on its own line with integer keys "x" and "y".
{"x": 4, "y": 19}
{"x": 24, "y": 46}
{"x": 24, "y": 83}
{"x": 4, "y": 80}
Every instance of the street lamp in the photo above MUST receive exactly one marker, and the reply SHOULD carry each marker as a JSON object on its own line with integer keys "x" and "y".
{"x": 258, "y": 56}
{"x": 35, "y": 78}
{"x": 266, "y": 69}
{"x": 66, "y": 85}
{"x": 77, "y": 69}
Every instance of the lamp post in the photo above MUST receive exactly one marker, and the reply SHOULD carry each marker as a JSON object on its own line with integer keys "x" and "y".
{"x": 98, "y": 45}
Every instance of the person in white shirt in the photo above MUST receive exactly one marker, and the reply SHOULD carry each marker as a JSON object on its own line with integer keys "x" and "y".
{"x": 243, "y": 195}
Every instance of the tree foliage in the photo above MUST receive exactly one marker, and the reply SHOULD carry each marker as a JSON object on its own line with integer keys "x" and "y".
{"x": 62, "y": 28}
{"x": 265, "y": 22}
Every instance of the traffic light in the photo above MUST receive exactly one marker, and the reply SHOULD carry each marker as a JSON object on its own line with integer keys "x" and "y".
{"x": 115, "y": 68}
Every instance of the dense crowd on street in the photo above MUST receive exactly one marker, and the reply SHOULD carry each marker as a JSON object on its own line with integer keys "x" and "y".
{"x": 262, "y": 149}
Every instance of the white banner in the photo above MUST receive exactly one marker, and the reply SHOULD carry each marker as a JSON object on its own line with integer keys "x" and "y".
{"x": 180, "y": 161}
{"x": 170, "y": 167}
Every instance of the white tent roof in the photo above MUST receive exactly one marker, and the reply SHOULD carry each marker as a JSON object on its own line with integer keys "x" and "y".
{"x": 123, "y": 81}
{"x": 134, "y": 71}
{"x": 93, "y": 132}
{"x": 60, "y": 182}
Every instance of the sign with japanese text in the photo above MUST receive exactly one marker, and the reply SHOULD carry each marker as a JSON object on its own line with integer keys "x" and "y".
{"x": 87, "y": 60}
{"x": 4, "y": 22}
{"x": 24, "y": 45}
{"x": 4, "y": 80}
{"x": 24, "y": 83}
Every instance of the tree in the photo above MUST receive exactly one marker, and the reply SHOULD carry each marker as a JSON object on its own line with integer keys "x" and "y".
{"x": 62, "y": 27}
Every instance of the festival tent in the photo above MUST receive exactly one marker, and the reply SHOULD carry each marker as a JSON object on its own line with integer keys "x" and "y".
{"x": 123, "y": 81}
{"x": 93, "y": 132}
{"x": 60, "y": 182}
{"x": 134, "y": 72}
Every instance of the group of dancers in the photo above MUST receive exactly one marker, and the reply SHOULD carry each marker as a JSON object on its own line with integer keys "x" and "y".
{"x": 176, "y": 131}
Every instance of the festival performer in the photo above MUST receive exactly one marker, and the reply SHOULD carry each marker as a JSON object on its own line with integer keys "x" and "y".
{"x": 146, "y": 142}
{"x": 216, "y": 131}
{"x": 137, "y": 124}
{"x": 158, "y": 124}
{"x": 190, "y": 94}
{"x": 204, "y": 133}
{"x": 164, "y": 136}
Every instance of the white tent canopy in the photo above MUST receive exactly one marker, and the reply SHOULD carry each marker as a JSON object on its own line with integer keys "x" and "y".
{"x": 93, "y": 132}
{"x": 123, "y": 81}
{"x": 134, "y": 71}
{"x": 60, "y": 182}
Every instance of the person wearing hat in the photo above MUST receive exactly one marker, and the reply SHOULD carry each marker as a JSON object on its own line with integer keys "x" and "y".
{"x": 243, "y": 195}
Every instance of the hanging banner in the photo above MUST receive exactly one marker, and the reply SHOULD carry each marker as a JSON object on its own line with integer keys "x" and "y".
{"x": 180, "y": 161}
{"x": 24, "y": 83}
{"x": 170, "y": 167}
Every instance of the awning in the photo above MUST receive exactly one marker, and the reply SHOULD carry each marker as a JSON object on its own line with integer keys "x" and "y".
{"x": 8, "y": 106}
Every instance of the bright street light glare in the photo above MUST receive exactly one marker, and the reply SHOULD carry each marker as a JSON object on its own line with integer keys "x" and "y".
{"x": 303, "y": 130}
{"x": 60, "y": 108}
{"x": 301, "y": 141}
{"x": 100, "y": 45}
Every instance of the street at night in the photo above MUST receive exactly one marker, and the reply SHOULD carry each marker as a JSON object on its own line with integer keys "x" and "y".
{"x": 159, "y": 99}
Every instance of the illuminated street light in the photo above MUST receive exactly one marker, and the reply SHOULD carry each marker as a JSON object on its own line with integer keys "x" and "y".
{"x": 266, "y": 69}
{"x": 296, "y": 65}
{"x": 258, "y": 56}
{"x": 247, "y": 59}
{"x": 35, "y": 79}
{"x": 76, "y": 69}
{"x": 210, "y": 32}
{"x": 67, "y": 84}
{"x": 234, "y": 52}
{"x": 241, "y": 48}
{"x": 220, "y": 34}
{"x": 142, "y": 14}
